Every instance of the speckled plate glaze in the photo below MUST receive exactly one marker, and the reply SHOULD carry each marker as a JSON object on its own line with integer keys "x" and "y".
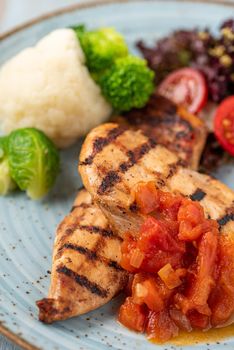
{"x": 27, "y": 228}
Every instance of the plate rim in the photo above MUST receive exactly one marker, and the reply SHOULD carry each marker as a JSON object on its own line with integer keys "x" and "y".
{"x": 6, "y": 332}
{"x": 16, "y": 339}
{"x": 91, "y": 4}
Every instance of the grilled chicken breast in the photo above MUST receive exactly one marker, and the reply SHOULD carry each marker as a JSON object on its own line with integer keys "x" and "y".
{"x": 85, "y": 272}
{"x": 114, "y": 160}
{"x": 172, "y": 126}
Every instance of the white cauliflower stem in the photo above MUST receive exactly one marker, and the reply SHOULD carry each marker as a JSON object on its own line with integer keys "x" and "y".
{"x": 49, "y": 87}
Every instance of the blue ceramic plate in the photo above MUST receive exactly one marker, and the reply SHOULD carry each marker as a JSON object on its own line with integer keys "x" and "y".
{"x": 27, "y": 228}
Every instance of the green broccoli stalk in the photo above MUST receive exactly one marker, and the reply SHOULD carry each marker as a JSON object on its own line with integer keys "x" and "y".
{"x": 33, "y": 161}
{"x": 127, "y": 84}
{"x": 6, "y": 182}
{"x": 101, "y": 47}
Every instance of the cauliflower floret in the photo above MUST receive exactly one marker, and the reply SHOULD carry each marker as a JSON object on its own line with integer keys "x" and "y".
{"x": 49, "y": 87}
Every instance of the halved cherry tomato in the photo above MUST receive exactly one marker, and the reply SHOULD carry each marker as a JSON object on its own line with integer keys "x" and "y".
{"x": 224, "y": 124}
{"x": 186, "y": 87}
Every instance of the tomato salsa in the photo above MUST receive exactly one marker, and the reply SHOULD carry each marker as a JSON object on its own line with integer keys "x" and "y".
{"x": 182, "y": 269}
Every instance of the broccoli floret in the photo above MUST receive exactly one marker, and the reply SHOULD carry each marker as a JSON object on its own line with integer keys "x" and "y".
{"x": 101, "y": 47}
{"x": 128, "y": 83}
{"x": 6, "y": 182}
{"x": 79, "y": 29}
{"x": 125, "y": 80}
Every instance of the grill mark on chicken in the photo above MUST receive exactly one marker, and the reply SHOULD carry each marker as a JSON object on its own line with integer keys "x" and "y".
{"x": 109, "y": 181}
{"x": 96, "y": 229}
{"x": 70, "y": 230}
{"x": 160, "y": 183}
{"x": 115, "y": 265}
{"x": 82, "y": 205}
{"x": 82, "y": 250}
{"x": 173, "y": 127}
{"x": 198, "y": 195}
{"x": 102, "y": 142}
{"x": 152, "y": 116}
{"x": 170, "y": 119}
{"x": 123, "y": 148}
{"x": 181, "y": 135}
{"x": 225, "y": 219}
{"x": 158, "y": 106}
{"x": 134, "y": 156}
{"x": 174, "y": 167}
{"x": 99, "y": 245}
{"x": 92, "y": 254}
{"x": 83, "y": 281}
{"x": 162, "y": 114}
{"x": 133, "y": 207}
{"x": 91, "y": 229}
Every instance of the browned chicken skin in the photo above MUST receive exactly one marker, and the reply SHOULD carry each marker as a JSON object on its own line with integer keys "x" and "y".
{"x": 110, "y": 173}
{"x": 172, "y": 126}
{"x": 85, "y": 272}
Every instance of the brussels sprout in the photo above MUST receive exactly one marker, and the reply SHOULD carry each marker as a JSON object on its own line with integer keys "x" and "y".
{"x": 33, "y": 161}
{"x": 6, "y": 182}
{"x": 3, "y": 147}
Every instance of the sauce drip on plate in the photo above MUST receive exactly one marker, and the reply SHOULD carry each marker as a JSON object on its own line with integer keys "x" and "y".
{"x": 196, "y": 337}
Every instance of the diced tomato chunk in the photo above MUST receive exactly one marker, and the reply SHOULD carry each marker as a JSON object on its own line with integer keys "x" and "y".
{"x": 147, "y": 197}
{"x": 197, "y": 320}
{"x": 222, "y": 305}
{"x": 191, "y": 212}
{"x": 133, "y": 316}
{"x": 159, "y": 246}
{"x": 200, "y": 287}
{"x": 180, "y": 320}
{"x": 189, "y": 232}
{"x": 160, "y": 326}
{"x": 150, "y": 290}
{"x": 153, "y": 249}
{"x": 183, "y": 268}
{"x": 154, "y": 234}
{"x": 127, "y": 248}
{"x": 128, "y": 287}
{"x": 169, "y": 205}
{"x": 147, "y": 292}
{"x": 155, "y": 260}
{"x": 185, "y": 231}
{"x": 222, "y": 297}
{"x": 154, "y": 299}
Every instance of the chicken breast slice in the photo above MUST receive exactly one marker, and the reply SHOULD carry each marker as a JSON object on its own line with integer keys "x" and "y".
{"x": 85, "y": 271}
{"x": 172, "y": 126}
{"x": 112, "y": 166}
